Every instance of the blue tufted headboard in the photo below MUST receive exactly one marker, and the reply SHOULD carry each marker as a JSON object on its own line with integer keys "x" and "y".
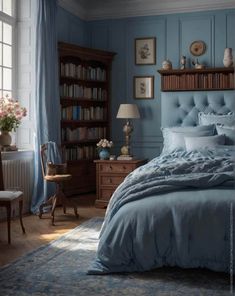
{"x": 181, "y": 108}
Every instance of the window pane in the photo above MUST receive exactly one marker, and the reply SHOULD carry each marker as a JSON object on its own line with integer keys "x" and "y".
{"x": 0, "y": 54}
{"x": 7, "y": 55}
{"x": 7, "y": 33}
{"x": 0, "y": 77}
{"x": 7, "y": 93}
{"x": 7, "y": 74}
{"x": 0, "y": 5}
{"x": 0, "y": 30}
{"x": 7, "y": 6}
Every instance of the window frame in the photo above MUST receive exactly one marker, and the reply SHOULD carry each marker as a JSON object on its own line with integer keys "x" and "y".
{"x": 11, "y": 20}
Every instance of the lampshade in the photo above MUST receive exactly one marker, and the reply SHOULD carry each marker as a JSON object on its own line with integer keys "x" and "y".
{"x": 128, "y": 111}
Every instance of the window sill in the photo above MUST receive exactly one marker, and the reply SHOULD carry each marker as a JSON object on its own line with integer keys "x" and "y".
{"x": 19, "y": 154}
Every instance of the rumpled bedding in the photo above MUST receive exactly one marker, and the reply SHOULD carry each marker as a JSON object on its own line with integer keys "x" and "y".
{"x": 173, "y": 193}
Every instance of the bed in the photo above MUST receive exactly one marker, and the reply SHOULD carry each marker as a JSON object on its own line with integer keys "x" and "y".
{"x": 177, "y": 210}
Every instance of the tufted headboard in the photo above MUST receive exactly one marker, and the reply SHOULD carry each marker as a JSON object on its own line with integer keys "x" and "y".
{"x": 181, "y": 108}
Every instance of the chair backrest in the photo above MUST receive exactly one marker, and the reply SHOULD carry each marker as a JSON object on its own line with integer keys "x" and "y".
{"x": 48, "y": 167}
{"x": 1, "y": 174}
{"x": 43, "y": 158}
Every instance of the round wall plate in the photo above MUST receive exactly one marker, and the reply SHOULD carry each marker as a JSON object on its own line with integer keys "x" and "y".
{"x": 197, "y": 48}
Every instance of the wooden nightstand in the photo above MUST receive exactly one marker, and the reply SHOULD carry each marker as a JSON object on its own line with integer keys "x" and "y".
{"x": 109, "y": 174}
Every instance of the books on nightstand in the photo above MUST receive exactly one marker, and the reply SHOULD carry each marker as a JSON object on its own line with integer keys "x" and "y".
{"x": 125, "y": 157}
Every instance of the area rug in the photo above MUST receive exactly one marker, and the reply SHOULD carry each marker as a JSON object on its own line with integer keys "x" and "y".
{"x": 60, "y": 267}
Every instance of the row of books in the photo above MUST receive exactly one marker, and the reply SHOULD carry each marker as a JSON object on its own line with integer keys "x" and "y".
{"x": 83, "y": 133}
{"x": 80, "y": 113}
{"x": 78, "y": 153}
{"x": 200, "y": 80}
{"x": 82, "y": 72}
{"x": 79, "y": 91}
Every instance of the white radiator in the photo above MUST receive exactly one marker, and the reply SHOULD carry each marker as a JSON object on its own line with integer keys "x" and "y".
{"x": 18, "y": 175}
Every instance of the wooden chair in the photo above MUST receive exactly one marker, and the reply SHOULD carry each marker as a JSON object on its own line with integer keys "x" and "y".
{"x": 7, "y": 199}
{"x": 55, "y": 173}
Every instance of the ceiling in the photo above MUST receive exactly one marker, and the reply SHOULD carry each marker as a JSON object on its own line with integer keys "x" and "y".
{"x": 105, "y": 9}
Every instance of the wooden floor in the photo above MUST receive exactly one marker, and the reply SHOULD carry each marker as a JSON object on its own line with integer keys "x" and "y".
{"x": 40, "y": 231}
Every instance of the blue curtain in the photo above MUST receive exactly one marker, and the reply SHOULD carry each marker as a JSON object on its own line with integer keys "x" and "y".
{"x": 47, "y": 105}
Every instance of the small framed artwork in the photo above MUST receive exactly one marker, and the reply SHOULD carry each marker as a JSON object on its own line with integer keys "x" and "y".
{"x": 143, "y": 87}
{"x": 145, "y": 51}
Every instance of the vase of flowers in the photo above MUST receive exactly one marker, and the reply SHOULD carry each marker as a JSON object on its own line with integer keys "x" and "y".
{"x": 11, "y": 114}
{"x": 104, "y": 147}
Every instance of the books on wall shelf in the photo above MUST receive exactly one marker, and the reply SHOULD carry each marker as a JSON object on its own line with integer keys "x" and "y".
{"x": 191, "y": 79}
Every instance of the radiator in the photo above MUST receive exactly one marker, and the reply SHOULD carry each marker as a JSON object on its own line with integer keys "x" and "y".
{"x": 18, "y": 175}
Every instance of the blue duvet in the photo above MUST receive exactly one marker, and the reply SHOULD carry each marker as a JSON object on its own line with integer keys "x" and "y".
{"x": 173, "y": 211}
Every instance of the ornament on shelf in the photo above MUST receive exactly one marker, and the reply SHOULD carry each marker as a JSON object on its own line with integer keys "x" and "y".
{"x": 228, "y": 57}
{"x": 197, "y": 65}
{"x": 183, "y": 62}
{"x": 167, "y": 65}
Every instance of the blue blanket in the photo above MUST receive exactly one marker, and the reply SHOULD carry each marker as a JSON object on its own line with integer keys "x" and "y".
{"x": 176, "y": 172}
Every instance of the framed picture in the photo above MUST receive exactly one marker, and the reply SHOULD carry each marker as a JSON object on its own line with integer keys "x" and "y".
{"x": 145, "y": 51}
{"x": 143, "y": 87}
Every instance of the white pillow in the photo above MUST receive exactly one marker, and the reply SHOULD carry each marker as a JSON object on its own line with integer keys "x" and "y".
{"x": 211, "y": 118}
{"x": 228, "y": 131}
{"x": 173, "y": 137}
{"x": 200, "y": 143}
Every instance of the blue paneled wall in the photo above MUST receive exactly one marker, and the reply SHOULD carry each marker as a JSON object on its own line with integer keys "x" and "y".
{"x": 71, "y": 29}
{"x": 174, "y": 34}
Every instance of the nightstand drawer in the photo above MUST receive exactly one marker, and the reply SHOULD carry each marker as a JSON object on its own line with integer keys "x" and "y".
{"x": 105, "y": 194}
{"x": 111, "y": 180}
{"x": 116, "y": 168}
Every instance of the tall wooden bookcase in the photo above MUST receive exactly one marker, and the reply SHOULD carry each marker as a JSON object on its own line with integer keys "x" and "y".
{"x": 85, "y": 103}
{"x": 197, "y": 79}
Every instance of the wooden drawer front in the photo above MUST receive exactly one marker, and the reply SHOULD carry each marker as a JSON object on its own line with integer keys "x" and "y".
{"x": 105, "y": 194}
{"x": 111, "y": 180}
{"x": 116, "y": 168}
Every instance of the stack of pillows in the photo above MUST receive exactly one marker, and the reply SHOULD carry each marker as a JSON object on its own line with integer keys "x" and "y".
{"x": 213, "y": 131}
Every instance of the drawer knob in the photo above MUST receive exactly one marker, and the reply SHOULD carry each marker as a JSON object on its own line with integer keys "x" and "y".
{"x": 124, "y": 167}
{"x": 110, "y": 180}
{"x": 110, "y": 167}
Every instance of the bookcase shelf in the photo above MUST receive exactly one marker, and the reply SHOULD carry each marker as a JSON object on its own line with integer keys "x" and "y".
{"x": 197, "y": 79}
{"x": 85, "y": 103}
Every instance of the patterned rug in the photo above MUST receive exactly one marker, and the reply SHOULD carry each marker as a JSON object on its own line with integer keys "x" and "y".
{"x": 59, "y": 268}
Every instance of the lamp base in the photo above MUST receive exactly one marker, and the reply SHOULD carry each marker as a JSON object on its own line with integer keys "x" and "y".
{"x": 125, "y": 157}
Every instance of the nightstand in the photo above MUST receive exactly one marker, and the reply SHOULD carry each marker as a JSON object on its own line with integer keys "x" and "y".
{"x": 109, "y": 174}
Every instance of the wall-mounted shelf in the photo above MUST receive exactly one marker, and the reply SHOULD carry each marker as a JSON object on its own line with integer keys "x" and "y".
{"x": 197, "y": 79}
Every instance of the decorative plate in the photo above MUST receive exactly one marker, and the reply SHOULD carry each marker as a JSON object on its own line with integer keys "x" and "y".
{"x": 197, "y": 48}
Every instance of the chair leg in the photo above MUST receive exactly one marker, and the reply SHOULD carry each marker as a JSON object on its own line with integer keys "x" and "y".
{"x": 9, "y": 223}
{"x": 20, "y": 212}
{"x": 53, "y": 209}
{"x": 44, "y": 204}
{"x": 67, "y": 201}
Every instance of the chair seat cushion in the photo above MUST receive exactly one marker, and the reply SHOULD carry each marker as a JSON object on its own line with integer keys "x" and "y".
{"x": 58, "y": 178}
{"x": 10, "y": 195}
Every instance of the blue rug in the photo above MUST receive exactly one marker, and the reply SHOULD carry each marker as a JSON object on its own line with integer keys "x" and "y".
{"x": 60, "y": 269}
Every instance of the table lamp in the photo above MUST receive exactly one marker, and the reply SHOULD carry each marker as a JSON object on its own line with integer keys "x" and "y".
{"x": 127, "y": 111}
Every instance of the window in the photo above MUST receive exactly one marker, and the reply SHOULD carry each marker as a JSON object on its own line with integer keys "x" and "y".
{"x": 7, "y": 22}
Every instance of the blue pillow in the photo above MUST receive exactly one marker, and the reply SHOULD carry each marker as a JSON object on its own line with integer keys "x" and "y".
{"x": 173, "y": 137}
{"x": 200, "y": 143}
{"x": 228, "y": 131}
{"x": 211, "y": 118}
